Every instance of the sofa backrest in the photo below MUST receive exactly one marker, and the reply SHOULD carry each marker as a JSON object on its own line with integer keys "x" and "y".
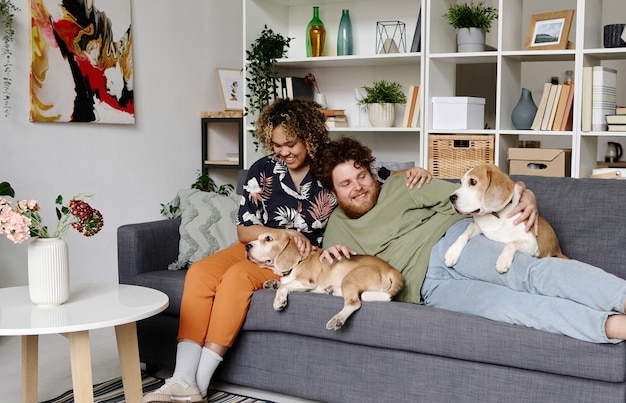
{"x": 588, "y": 215}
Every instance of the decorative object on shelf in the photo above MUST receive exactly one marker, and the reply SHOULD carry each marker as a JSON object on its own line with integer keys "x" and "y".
{"x": 416, "y": 46}
{"x": 613, "y": 152}
{"x": 81, "y": 66}
{"x": 380, "y": 100}
{"x": 48, "y": 263}
{"x": 614, "y": 36}
{"x": 315, "y": 35}
{"x": 549, "y": 31}
{"x": 7, "y": 8}
{"x": 261, "y": 75}
{"x": 48, "y": 271}
{"x": 390, "y": 37}
{"x": 344, "y": 35}
{"x": 569, "y": 77}
{"x": 231, "y": 88}
{"x": 472, "y": 22}
{"x": 524, "y": 112}
{"x": 318, "y": 96}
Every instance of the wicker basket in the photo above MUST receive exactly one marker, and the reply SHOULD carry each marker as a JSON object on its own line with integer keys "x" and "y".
{"x": 450, "y": 156}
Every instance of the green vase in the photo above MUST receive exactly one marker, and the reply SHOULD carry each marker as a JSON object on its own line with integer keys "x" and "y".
{"x": 315, "y": 35}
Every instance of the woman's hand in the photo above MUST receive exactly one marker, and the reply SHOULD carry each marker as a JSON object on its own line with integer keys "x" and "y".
{"x": 415, "y": 176}
{"x": 337, "y": 252}
{"x": 303, "y": 243}
{"x": 527, "y": 206}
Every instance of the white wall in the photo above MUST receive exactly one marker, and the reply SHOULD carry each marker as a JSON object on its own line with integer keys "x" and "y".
{"x": 130, "y": 168}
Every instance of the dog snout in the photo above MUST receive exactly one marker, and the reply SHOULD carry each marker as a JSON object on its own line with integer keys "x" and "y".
{"x": 248, "y": 246}
{"x": 453, "y": 197}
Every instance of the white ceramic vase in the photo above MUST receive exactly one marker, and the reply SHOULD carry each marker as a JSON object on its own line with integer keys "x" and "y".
{"x": 381, "y": 115}
{"x": 470, "y": 40}
{"x": 48, "y": 271}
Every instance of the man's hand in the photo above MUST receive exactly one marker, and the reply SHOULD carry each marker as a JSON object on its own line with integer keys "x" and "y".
{"x": 415, "y": 176}
{"x": 527, "y": 206}
{"x": 337, "y": 252}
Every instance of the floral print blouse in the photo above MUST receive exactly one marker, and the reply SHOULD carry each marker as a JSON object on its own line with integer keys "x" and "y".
{"x": 270, "y": 198}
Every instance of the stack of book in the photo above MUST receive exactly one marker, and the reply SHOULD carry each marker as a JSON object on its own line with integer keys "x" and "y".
{"x": 555, "y": 108}
{"x": 617, "y": 122}
{"x": 336, "y": 118}
{"x": 599, "y": 95}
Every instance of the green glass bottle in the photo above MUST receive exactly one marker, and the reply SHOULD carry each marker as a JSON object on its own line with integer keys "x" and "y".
{"x": 315, "y": 35}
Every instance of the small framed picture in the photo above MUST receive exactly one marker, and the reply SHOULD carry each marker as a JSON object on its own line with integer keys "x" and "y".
{"x": 231, "y": 88}
{"x": 549, "y": 31}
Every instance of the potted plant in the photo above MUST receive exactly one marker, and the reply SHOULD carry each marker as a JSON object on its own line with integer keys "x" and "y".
{"x": 476, "y": 19}
{"x": 7, "y": 8}
{"x": 261, "y": 75}
{"x": 380, "y": 100}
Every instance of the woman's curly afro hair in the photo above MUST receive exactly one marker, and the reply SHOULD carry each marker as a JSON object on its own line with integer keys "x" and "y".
{"x": 300, "y": 118}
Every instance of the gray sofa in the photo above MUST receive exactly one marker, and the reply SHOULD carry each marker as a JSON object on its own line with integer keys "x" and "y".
{"x": 401, "y": 352}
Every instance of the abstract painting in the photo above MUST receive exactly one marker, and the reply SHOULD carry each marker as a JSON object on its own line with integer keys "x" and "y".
{"x": 81, "y": 62}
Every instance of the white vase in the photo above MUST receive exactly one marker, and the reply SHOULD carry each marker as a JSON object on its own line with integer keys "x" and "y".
{"x": 470, "y": 40}
{"x": 48, "y": 271}
{"x": 381, "y": 115}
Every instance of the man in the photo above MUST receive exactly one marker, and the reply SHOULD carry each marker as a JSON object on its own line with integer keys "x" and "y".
{"x": 412, "y": 230}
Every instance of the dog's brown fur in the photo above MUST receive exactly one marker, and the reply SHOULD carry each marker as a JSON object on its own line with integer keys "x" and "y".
{"x": 358, "y": 277}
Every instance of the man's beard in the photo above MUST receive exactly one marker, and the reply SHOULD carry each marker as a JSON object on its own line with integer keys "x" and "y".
{"x": 356, "y": 211}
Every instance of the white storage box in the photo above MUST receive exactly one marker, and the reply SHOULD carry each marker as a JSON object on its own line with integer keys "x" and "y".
{"x": 458, "y": 113}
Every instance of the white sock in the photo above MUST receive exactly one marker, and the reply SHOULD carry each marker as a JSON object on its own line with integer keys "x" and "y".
{"x": 187, "y": 359}
{"x": 209, "y": 360}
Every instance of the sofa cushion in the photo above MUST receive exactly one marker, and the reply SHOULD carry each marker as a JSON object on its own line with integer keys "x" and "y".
{"x": 208, "y": 224}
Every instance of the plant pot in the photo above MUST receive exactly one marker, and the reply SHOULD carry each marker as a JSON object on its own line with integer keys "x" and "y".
{"x": 381, "y": 115}
{"x": 470, "y": 40}
{"x": 48, "y": 271}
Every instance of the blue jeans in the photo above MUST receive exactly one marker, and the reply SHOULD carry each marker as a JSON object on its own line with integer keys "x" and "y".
{"x": 555, "y": 295}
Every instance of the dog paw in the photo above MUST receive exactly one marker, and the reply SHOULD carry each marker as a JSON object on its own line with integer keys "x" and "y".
{"x": 503, "y": 264}
{"x": 452, "y": 257}
{"x": 330, "y": 290}
{"x": 271, "y": 283}
{"x": 335, "y": 323}
{"x": 280, "y": 304}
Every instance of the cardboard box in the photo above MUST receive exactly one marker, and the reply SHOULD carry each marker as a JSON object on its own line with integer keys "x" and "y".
{"x": 539, "y": 161}
{"x": 458, "y": 113}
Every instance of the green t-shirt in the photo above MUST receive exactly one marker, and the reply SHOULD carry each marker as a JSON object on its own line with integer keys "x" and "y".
{"x": 401, "y": 229}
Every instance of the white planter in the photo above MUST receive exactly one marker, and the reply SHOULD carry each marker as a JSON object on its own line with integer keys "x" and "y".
{"x": 470, "y": 40}
{"x": 48, "y": 271}
{"x": 381, "y": 115}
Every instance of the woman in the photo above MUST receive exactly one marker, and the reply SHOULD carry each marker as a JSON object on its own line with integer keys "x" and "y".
{"x": 280, "y": 192}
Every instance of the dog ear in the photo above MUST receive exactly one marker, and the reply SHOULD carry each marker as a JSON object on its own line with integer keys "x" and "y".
{"x": 287, "y": 258}
{"x": 499, "y": 189}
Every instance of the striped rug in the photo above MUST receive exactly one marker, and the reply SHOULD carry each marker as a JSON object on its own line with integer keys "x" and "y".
{"x": 113, "y": 392}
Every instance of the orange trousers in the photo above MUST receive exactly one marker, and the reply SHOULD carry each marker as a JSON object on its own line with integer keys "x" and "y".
{"x": 217, "y": 295}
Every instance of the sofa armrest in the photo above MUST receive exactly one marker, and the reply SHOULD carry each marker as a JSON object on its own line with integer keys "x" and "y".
{"x": 146, "y": 247}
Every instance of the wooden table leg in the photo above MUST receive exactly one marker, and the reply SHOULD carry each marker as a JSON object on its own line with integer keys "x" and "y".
{"x": 80, "y": 357}
{"x": 30, "y": 368}
{"x": 128, "y": 350}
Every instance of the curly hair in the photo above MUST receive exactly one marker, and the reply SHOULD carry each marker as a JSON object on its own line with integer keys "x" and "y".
{"x": 300, "y": 118}
{"x": 339, "y": 151}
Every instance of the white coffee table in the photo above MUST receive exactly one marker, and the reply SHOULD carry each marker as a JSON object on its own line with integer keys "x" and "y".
{"x": 90, "y": 306}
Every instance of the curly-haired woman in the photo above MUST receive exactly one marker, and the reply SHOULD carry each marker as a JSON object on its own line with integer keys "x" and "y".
{"x": 279, "y": 192}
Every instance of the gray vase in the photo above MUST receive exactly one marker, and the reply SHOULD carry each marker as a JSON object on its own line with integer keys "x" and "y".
{"x": 524, "y": 112}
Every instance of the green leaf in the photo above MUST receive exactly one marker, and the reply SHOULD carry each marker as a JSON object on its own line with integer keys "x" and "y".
{"x": 6, "y": 189}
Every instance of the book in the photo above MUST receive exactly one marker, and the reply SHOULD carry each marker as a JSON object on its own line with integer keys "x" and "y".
{"x": 296, "y": 87}
{"x": 542, "y": 107}
{"x": 604, "y": 96}
{"x": 553, "y": 103}
{"x": 560, "y": 109}
{"x": 617, "y": 119}
{"x": 568, "y": 116}
{"x": 616, "y": 127}
{"x": 337, "y": 119}
{"x": 587, "y": 98}
{"x": 412, "y": 107}
{"x": 620, "y": 110}
{"x": 331, "y": 124}
{"x": 417, "y": 36}
{"x": 334, "y": 112}
{"x": 549, "y": 104}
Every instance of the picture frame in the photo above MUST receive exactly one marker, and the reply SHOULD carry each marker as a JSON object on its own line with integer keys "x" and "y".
{"x": 549, "y": 31}
{"x": 231, "y": 87}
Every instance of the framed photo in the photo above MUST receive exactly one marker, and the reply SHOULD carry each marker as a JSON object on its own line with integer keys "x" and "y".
{"x": 231, "y": 88}
{"x": 549, "y": 30}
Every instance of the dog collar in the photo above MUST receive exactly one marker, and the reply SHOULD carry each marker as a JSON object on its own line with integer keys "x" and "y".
{"x": 302, "y": 259}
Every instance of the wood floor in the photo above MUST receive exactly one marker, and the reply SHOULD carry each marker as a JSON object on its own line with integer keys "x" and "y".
{"x": 55, "y": 372}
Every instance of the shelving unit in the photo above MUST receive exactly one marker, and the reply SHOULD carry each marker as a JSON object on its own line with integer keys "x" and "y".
{"x": 221, "y": 136}
{"x": 498, "y": 74}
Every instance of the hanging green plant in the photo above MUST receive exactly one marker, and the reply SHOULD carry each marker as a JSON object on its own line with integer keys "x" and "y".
{"x": 7, "y": 10}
